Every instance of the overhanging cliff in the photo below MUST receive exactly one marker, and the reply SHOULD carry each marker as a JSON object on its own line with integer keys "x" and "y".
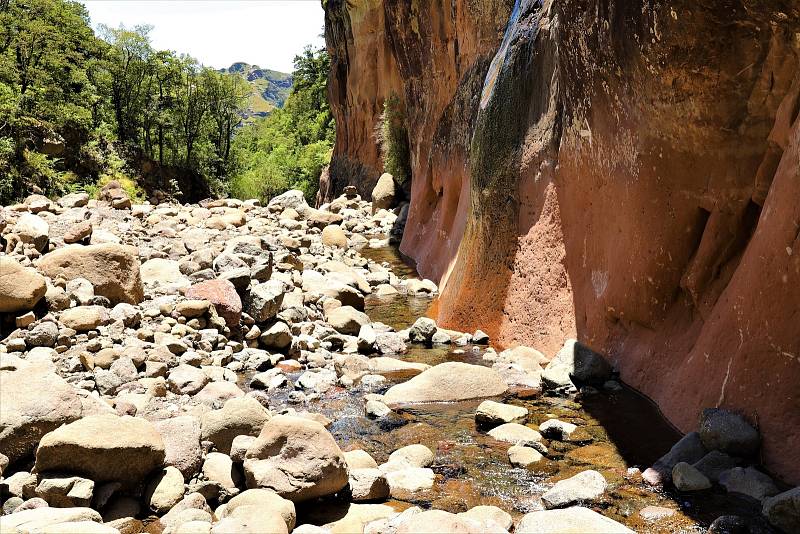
{"x": 627, "y": 172}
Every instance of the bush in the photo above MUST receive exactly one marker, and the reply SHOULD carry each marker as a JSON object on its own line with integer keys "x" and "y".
{"x": 393, "y": 138}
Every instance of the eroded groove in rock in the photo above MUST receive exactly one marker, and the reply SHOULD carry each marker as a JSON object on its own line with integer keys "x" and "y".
{"x": 630, "y": 178}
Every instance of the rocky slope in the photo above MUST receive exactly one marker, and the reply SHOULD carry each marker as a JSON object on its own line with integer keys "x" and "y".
{"x": 269, "y": 88}
{"x": 625, "y": 172}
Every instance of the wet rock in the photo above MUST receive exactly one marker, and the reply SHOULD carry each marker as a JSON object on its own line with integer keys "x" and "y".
{"x": 491, "y": 413}
{"x": 21, "y": 288}
{"x": 575, "y": 363}
{"x": 112, "y": 269}
{"x": 242, "y": 416}
{"x": 748, "y": 481}
{"x": 103, "y": 448}
{"x": 734, "y": 524}
{"x": 555, "y": 429}
{"x": 713, "y": 464}
{"x": 376, "y": 409}
{"x": 688, "y": 449}
{"x": 422, "y": 331}
{"x": 522, "y": 456}
{"x": 515, "y": 433}
{"x": 687, "y": 478}
{"x": 783, "y": 510}
{"x": 728, "y": 432}
{"x": 655, "y": 513}
{"x": 297, "y": 458}
{"x": 421, "y": 287}
{"x": 586, "y": 486}
{"x": 574, "y": 519}
{"x": 451, "y": 381}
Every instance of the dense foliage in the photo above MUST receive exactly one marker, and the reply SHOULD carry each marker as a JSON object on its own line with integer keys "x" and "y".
{"x": 393, "y": 139}
{"x": 289, "y": 148}
{"x": 78, "y": 110}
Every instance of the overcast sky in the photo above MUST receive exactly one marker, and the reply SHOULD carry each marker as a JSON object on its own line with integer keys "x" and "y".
{"x": 268, "y": 33}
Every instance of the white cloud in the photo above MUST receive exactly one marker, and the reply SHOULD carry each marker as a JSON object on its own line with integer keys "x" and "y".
{"x": 268, "y": 33}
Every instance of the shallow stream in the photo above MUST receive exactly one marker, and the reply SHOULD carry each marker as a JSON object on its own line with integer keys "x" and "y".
{"x": 619, "y": 430}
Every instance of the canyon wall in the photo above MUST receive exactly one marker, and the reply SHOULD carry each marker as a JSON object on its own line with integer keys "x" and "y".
{"x": 627, "y": 172}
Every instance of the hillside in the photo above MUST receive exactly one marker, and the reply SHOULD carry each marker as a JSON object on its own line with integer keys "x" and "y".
{"x": 270, "y": 88}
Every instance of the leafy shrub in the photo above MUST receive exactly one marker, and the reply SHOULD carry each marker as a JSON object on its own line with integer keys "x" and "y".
{"x": 393, "y": 138}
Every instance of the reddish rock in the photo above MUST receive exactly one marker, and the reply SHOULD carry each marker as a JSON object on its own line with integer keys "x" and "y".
{"x": 222, "y": 294}
{"x": 627, "y": 175}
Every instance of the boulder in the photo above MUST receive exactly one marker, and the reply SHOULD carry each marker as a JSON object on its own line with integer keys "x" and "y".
{"x": 267, "y": 502}
{"x": 321, "y": 219}
{"x": 163, "y": 272}
{"x": 187, "y": 380}
{"x": 491, "y": 518}
{"x": 416, "y": 455}
{"x": 687, "y": 478}
{"x": 34, "y": 230}
{"x": 219, "y": 469}
{"x": 446, "y": 382}
{"x": 64, "y": 491}
{"x": 728, "y": 432}
{"x": 41, "y": 520}
{"x": 181, "y": 436}
{"x": 297, "y": 458}
{"x": 368, "y": 485}
{"x": 104, "y": 448}
{"x": 403, "y": 483}
{"x": 384, "y": 194}
{"x": 222, "y": 294}
{"x": 422, "y": 331}
{"x": 264, "y": 301}
{"x": 74, "y": 200}
{"x": 334, "y": 236}
{"x": 278, "y": 336}
{"x": 491, "y": 413}
{"x": 713, "y": 464}
{"x": 783, "y": 510}
{"x": 439, "y": 522}
{"x": 522, "y": 456}
{"x": 575, "y": 364}
{"x": 359, "y": 459}
{"x": 585, "y": 486}
{"x": 21, "y": 288}
{"x": 347, "y": 320}
{"x": 78, "y": 232}
{"x": 574, "y": 520}
{"x": 84, "y": 318}
{"x": 290, "y": 199}
{"x": 688, "y": 449}
{"x": 515, "y": 433}
{"x": 112, "y": 269}
{"x": 240, "y": 416}
{"x": 32, "y": 403}
{"x": 555, "y": 429}
{"x": 748, "y": 481}
{"x": 165, "y": 490}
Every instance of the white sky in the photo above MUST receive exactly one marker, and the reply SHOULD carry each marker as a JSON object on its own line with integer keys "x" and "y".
{"x": 267, "y": 33}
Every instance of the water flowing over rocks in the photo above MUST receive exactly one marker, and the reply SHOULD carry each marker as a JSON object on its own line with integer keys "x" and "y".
{"x": 214, "y": 369}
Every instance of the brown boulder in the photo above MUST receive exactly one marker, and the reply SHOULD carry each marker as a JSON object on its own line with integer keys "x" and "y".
{"x": 104, "y": 448}
{"x": 20, "y": 288}
{"x": 222, "y": 294}
{"x": 112, "y": 269}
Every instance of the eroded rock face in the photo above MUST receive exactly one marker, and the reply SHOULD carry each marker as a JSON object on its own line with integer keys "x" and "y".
{"x": 621, "y": 172}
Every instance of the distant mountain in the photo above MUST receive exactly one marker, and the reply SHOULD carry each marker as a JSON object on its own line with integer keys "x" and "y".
{"x": 270, "y": 88}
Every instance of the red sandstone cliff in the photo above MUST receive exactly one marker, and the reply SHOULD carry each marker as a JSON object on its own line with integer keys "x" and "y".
{"x": 623, "y": 171}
